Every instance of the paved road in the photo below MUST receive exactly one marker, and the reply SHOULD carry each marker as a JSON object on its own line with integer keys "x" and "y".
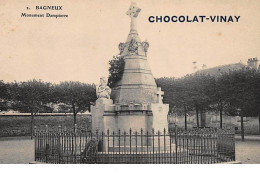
{"x": 248, "y": 152}
{"x": 21, "y": 150}
{"x": 16, "y": 150}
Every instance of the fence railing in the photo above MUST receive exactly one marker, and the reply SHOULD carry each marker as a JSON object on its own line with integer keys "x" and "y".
{"x": 177, "y": 147}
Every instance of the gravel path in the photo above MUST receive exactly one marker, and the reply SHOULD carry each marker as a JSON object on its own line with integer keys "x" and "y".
{"x": 248, "y": 152}
{"x": 16, "y": 150}
{"x": 20, "y": 150}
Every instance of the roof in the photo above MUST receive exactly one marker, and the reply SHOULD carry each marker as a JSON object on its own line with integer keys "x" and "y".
{"x": 222, "y": 69}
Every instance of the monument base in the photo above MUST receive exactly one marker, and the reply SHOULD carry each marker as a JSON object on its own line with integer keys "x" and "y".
{"x": 131, "y": 122}
{"x": 160, "y": 113}
{"x": 102, "y": 106}
{"x": 124, "y": 123}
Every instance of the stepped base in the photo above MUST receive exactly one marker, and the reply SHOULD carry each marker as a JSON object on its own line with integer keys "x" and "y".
{"x": 143, "y": 149}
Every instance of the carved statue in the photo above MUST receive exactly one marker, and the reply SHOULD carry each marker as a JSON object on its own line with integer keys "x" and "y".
{"x": 145, "y": 45}
{"x": 103, "y": 91}
{"x": 121, "y": 47}
{"x": 133, "y": 47}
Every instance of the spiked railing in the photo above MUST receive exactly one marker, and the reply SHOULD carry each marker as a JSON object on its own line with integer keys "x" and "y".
{"x": 195, "y": 146}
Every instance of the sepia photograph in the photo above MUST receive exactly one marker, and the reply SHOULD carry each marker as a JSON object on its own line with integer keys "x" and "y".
{"x": 129, "y": 82}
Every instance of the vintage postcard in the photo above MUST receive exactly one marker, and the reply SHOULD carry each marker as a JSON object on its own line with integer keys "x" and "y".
{"x": 129, "y": 82}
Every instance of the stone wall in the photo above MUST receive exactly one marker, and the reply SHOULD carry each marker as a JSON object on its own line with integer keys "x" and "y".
{"x": 20, "y": 125}
{"x": 251, "y": 124}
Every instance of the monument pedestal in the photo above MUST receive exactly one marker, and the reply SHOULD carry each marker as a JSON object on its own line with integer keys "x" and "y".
{"x": 160, "y": 113}
{"x": 103, "y": 105}
{"x": 108, "y": 116}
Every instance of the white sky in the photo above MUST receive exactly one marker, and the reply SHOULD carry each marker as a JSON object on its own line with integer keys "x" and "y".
{"x": 78, "y": 48}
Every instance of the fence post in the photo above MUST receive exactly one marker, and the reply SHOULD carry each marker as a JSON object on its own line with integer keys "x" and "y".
{"x": 136, "y": 145}
{"x": 108, "y": 141}
{"x": 176, "y": 145}
{"x": 103, "y": 146}
{"x": 159, "y": 146}
{"x": 119, "y": 140}
{"x": 35, "y": 143}
{"x": 142, "y": 140}
{"x": 97, "y": 147}
{"x": 170, "y": 135}
{"x": 153, "y": 143}
{"x": 130, "y": 133}
{"x": 113, "y": 140}
{"x": 59, "y": 134}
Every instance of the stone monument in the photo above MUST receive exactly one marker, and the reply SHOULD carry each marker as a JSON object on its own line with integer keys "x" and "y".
{"x": 136, "y": 102}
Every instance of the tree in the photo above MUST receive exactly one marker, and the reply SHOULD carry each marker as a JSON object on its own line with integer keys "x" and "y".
{"x": 256, "y": 85}
{"x": 200, "y": 89}
{"x": 243, "y": 94}
{"x": 219, "y": 96}
{"x": 187, "y": 93}
{"x": 116, "y": 70}
{"x": 177, "y": 95}
{"x": 75, "y": 94}
{"x": 4, "y": 96}
{"x": 31, "y": 96}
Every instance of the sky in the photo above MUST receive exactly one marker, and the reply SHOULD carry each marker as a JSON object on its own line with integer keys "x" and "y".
{"x": 79, "y": 47}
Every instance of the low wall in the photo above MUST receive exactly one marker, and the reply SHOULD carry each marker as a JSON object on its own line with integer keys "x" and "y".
{"x": 251, "y": 124}
{"x": 19, "y": 125}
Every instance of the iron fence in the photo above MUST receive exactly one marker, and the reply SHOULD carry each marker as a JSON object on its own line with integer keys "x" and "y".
{"x": 196, "y": 146}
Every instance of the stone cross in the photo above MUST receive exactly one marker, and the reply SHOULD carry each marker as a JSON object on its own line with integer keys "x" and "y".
{"x": 133, "y": 10}
{"x": 133, "y": 13}
{"x": 159, "y": 94}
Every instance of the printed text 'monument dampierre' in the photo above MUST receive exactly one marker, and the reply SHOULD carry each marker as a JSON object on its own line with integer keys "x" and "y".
{"x": 48, "y": 8}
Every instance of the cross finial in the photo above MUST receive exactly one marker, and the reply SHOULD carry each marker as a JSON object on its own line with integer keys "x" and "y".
{"x": 159, "y": 94}
{"x": 133, "y": 10}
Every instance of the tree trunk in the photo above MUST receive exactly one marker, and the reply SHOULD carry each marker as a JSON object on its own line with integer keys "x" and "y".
{"x": 185, "y": 116}
{"x": 220, "y": 117}
{"x": 197, "y": 115}
{"x": 75, "y": 121}
{"x": 74, "y": 114}
{"x": 32, "y": 124}
{"x": 202, "y": 119}
{"x": 74, "y": 118}
{"x": 259, "y": 122}
{"x": 242, "y": 128}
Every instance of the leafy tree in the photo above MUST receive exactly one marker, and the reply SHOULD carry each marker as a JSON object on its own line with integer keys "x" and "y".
{"x": 256, "y": 91}
{"x": 243, "y": 94}
{"x": 219, "y": 95}
{"x": 177, "y": 95}
{"x": 75, "y": 94}
{"x": 116, "y": 70}
{"x": 192, "y": 92}
{"x": 3, "y": 96}
{"x": 234, "y": 93}
{"x": 200, "y": 89}
{"x": 31, "y": 96}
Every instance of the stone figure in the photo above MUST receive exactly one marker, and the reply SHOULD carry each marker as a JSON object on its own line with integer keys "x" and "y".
{"x": 103, "y": 91}
{"x": 133, "y": 47}
{"x": 145, "y": 45}
{"x": 121, "y": 47}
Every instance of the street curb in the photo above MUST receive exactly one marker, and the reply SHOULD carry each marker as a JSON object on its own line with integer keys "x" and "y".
{"x": 233, "y": 162}
{"x": 256, "y": 138}
{"x": 35, "y": 162}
